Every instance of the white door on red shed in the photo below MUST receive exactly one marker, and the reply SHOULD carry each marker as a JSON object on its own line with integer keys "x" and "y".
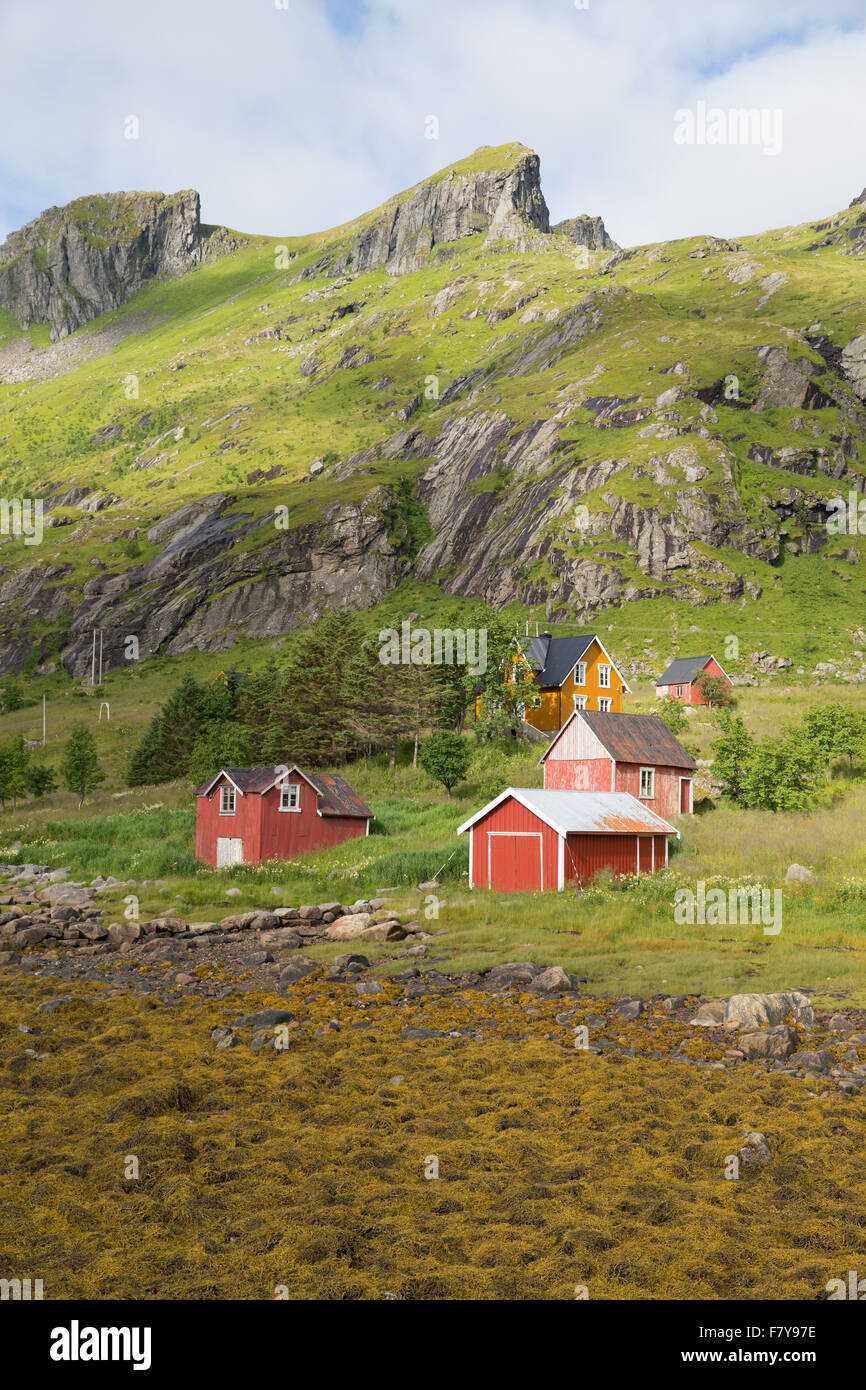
{"x": 229, "y": 851}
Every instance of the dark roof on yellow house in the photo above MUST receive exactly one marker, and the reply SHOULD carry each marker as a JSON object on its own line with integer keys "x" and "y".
{"x": 552, "y": 658}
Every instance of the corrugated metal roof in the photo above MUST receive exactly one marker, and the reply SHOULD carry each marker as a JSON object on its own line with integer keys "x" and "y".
{"x": 684, "y": 670}
{"x": 636, "y": 738}
{"x": 593, "y": 813}
{"x": 597, "y": 813}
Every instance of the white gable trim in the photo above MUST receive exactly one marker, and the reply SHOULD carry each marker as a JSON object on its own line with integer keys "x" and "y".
{"x": 293, "y": 767}
{"x": 556, "y": 737}
{"x": 491, "y": 806}
{"x": 625, "y": 685}
{"x": 527, "y": 806}
{"x": 206, "y": 791}
{"x": 720, "y": 666}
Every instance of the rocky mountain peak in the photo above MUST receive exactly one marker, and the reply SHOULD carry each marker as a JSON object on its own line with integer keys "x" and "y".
{"x": 586, "y": 231}
{"x": 496, "y": 191}
{"x": 74, "y": 262}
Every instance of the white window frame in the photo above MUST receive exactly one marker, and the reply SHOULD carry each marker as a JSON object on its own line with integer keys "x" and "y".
{"x": 679, "y": 692}
{"x": 604, "y": 704}
{"x": 536, "y": 702}
{"x": 648, "y": 774}
{"x": 603, "y": 676}
{"x": 286, "y": 790}
{"x": 580, "y": 702}
{"x": 580, "y": 673}
{"x": 228, "y": 794}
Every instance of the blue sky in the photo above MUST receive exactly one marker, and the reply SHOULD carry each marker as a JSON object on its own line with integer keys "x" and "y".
{"x": 294, "y": 119}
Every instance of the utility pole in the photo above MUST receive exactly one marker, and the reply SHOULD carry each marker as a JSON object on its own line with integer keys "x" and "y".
{"x": 93, "y": 662}
{"x": 100, "y": 655}
{"x": 43, "y": 720}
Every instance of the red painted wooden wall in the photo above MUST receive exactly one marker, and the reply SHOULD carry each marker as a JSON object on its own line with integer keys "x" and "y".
{"x": 585, "y": 775}
{"x": 210, "y": 825}
{"x": 511, "y": 848}
{"x": 596, "y": 774}
{"x": 268, "y": 832}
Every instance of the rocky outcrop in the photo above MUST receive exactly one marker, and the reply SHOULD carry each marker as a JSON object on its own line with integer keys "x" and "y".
{"x": 506, "y": 203}
{"x": 853, "y": 363}
{"x": 75, "y": 262}
{"x": 586, "y": 231}
{"x": 787, "y": 383}
{"x": 200, "y": 592}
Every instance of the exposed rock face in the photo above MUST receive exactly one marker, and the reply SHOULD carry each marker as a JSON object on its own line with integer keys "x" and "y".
{"x": 854, "y": 363}
{"x": 586, "y": 231}
{"x": 861, "y": 198}
{"x": 505, "y": 203}
{"x": 786, "y": 383}
{"x": 81, "y": 260}
{"x": 200, "y": 593}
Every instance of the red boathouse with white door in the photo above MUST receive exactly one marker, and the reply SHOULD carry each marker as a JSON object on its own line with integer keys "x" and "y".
{"x": 634, "y": 753}
{"x": 246, "y": 815}
{"x": 530, "y": 840}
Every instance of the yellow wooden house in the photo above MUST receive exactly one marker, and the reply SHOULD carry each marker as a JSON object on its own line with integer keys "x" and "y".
{"x": 568, "y": 673}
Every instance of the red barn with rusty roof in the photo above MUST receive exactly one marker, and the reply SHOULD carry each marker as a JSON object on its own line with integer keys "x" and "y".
{"x": 246, "y": 815}
{"x": 529, "y": 839}
{"x": 634, "y": 753}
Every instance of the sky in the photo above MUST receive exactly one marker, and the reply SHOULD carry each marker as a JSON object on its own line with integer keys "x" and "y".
{"x": 292, "y": 116}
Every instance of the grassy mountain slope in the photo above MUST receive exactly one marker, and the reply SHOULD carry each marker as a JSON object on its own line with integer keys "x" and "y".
{"x": 489, "y": 425}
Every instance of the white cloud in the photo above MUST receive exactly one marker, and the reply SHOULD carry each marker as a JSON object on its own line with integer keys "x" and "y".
{"x": 287, "y": 123}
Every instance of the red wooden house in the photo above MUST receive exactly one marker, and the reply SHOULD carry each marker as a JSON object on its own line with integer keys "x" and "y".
{"x": 249, "y": 814}
{"x": 678, "y": 681}
{"x": 530, "y": 839}
{"x": 635, "y": 753}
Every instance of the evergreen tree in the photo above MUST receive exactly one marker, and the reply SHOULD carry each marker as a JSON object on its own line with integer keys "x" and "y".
{"x": 80, "y": 765}
{"x": 219, "y": 746}
{"x": 40, "y": 779}
{"x": 166, "y": 748}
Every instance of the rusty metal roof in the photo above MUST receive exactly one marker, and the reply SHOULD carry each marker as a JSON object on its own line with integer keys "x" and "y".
{"x": 636, "y": 738}
{"x": 336, "y": 797}
{"x": 583, "y": 813}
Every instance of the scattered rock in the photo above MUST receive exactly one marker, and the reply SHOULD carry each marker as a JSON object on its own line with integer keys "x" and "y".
{"x": 350, "y": 927}
{"x": 797, "y": 873}
{"x": 755, "y": 1148}
{"x": 753, "y": 1010}
{"x": 774, "y": 1044}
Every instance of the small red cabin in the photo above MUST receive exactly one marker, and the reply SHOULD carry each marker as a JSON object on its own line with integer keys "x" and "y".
{"x": 634, "y": 753}
{"x": 678, "y": 681}
{"x": 529, "y": 839}
{"x": 246, "y": 815}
